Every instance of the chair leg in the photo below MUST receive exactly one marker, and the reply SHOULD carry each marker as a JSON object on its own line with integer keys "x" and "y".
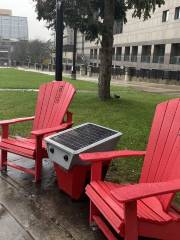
{"x": 38, "y": 168}
{"x": 93, "y": 212}
{"x": 131, "y": 222}
{"x": 3, "y": 159}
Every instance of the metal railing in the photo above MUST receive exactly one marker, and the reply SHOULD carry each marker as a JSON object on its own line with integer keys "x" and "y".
{"x": 158, "y": 59}
{"x": 126, "y": 58}
{"x": 175, "y": 60}
{"x": 118, "y": 57}
{"x": 145, "y": 59}
{"x": 134, "y": 58}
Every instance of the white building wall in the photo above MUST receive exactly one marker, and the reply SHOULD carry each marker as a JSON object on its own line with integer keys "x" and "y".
{"x": 137, "y": 32}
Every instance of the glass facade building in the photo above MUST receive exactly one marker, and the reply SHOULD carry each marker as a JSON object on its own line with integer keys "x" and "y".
{"x": 12, "y": 30}
{"x": 13, "y": 27}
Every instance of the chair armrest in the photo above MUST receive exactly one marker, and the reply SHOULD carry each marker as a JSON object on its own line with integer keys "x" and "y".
{"x": 104, "y": 156}
{"x": 144, "y": 190}
{"x": 16, "y": 120}
{"x": 45, "y": 131}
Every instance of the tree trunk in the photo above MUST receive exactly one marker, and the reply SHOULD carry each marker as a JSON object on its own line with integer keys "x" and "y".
{"x": 106, "y": 51}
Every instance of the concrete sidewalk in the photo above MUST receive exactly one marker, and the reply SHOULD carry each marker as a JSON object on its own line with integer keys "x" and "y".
{"x": 30, "y": 212}
{"x": 142, "y": 86}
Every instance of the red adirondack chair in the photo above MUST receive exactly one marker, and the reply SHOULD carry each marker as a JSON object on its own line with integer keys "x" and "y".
{"x": 51, "y": 116}
{"x": 143, "y": 209}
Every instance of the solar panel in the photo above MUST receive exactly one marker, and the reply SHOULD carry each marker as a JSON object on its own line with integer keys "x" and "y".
{"x": 83, "y": 136}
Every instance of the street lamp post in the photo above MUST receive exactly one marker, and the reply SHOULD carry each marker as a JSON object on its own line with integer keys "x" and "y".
{"x": 59, "y": 39}
{"x": 73, "y": 74}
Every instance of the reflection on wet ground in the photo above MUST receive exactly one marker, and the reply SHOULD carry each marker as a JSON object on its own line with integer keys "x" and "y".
{"x": 28, "y": 211}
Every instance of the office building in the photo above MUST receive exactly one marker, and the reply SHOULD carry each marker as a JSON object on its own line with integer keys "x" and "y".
{"x": 146, "y": 49}
{"x": 12, "y": 29}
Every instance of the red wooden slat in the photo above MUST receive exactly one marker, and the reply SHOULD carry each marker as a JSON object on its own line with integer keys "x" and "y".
{"x": 16, "y": 120}
{"x": 39, "y": 105}
{"x": 155, "y": 131}
{"x": 30, "y": 141}
{"x": 104, "y": 208}
{"x": 162, "y": 139}
{"x": 149, "y": 209}
{"x": 172, "y": 171}
{"x": 110, "y": 155}
{"x": 104, "y": 228}
{"x": 18, "y": 150}
{"x": 101, "y": 189}
{"x": 156, "y": 208}
{"x": 65, "y": 104}
{"x": 144, "y": 212}
{"x": 20, "y": 168}
{"x": 161, "y": 174}
{"x": 144, "y": 190}
{"x": 19, "y": 143}
{"x": 159, "y": 163}
{"x": 53, "y": 102}
{"x": 59, "y": 105}
{"x": 44, "y": 108}
{"x": 49, "y": 106}
{"x": 57, "y": 93}
{"x": 58, "y": 98}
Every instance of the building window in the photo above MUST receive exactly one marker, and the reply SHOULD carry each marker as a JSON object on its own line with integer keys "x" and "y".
{"x": 118, "y": 27}
{"x": 165, "y": 16}
{"x": 175, "y": 53}
{"x": 146, "y": 54}
{"x": 91, "y": 53}
{"x": 113, "y": 54}
{"x": 127, "y": 54}
{"x": 95, "y": 53}
{"x": 134, "y": 54}
{"x": 118, "y": 53}
{"x": 177, "y": 13}
{"x": 159, "y": 52}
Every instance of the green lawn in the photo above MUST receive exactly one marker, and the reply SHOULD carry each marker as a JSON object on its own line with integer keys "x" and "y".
{"x": 131, "y": 114}
{"x": 12, "y": 78}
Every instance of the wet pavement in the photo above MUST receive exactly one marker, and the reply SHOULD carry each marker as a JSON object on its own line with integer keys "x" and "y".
{"x": 35, "y": 212}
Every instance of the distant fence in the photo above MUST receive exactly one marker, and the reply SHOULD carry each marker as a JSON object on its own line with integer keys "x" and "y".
{"x": 154, "y": 74}
{"x": 117, "y": 72}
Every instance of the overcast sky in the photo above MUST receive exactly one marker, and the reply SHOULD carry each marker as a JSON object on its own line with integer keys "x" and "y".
{"x": 25, "y": 8}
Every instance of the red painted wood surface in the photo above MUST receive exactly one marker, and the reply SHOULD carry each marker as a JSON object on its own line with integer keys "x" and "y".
{"x": 152, "y": 197}
{"x": 104, "y": 228}
{"x": 16, "y": 120}
{"x": 144, "y": 190}
{"x": 104, "y": 156}
{"x": 73, "y": 181}
{"x": 162, "y": 158}
{"x": 51, "y": 116}
{"x": 52, "y": 104}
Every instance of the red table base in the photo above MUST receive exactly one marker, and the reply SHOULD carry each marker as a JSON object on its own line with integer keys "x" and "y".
{"x": 73, "y": 181}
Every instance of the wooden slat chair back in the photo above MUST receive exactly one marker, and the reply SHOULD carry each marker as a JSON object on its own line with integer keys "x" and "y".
{"x": 51, "y": 115}
{"x": 53, "y": 101}
{"x": 162, "y": 160}
{"x": 143, "y": 209}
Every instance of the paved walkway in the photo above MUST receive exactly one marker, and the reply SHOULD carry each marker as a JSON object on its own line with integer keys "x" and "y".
{"x": 143, "y": 86}
{"x": 30, "y": 212}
